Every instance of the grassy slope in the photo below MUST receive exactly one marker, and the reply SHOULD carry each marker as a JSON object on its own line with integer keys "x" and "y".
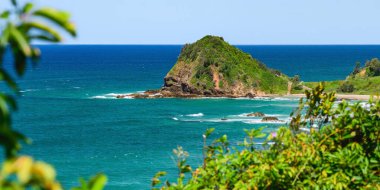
{"x": 365, "y": 80}
{"x": 367, "y": 86}
{"x": 213, "y": 53}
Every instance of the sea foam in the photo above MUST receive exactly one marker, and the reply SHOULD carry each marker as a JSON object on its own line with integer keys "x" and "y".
{"x": 195, "y": 115}
{"x": 112, "y": 96}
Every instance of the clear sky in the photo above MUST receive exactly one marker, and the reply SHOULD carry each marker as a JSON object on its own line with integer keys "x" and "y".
{"x": 238, "y": 21}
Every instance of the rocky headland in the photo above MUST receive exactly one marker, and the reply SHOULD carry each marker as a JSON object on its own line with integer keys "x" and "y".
{"x": 211, "y": 67}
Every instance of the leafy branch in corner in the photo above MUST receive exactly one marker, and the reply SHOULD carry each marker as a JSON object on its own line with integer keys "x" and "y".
{"x": 21, "y": 25}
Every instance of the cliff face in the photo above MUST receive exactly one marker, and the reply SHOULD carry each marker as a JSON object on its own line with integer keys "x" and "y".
{"x": 212, "y": 67}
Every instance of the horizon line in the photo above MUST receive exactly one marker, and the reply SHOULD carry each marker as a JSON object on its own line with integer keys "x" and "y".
{"x": 89, "y": 44}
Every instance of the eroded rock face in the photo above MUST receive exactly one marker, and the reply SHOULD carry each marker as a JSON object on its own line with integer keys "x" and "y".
{"x": 250, "y": 95}
{"x": 121, "y": 96}
{"x": 141, "y": 95}
{"x": 256, "y": 114}
{"x": 170, "y": 81}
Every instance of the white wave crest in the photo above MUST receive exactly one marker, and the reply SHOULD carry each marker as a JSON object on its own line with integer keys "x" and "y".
{"x": 276, "y": 115}
{"x": 195, "y": 115}
{"x": 112, "y": 96}
{"x": 29, "y": 90}
{"x": 117, "y": 94}
{"x": 230, "y": 120}
{"x": 285, "y": 99}
{"x": 241, "y": 115}
{"x": 275, "y": 99}
{"x": 100, "y": 97}
{"x": 259, "y": 121}
{"x": 266, "y": 115}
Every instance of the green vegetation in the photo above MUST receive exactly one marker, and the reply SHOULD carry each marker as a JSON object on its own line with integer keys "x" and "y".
{"x": 346, "y": 87}
{"x": 20, "y": 25}
{"x": 211, "y": 56}
{"x": 297, "y": 84}
{"x": 341, "y": 151}
{"x": 365, "y": 80}
{"x": 372, "y": 68}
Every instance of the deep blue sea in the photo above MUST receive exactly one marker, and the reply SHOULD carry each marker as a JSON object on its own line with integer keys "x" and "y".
{"x": 67, "y": 108}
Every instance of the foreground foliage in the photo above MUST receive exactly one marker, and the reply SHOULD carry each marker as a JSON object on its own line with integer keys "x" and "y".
{"x": 341, "y": 150}
{"x": 20, "y": 25}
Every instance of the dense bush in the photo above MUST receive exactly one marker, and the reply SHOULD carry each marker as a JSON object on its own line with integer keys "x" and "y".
{"x": 373, "y": 67}
{"x": 296, "y": 82}
{"x": 346, "y": 87}
{"x": 340, "y": 151}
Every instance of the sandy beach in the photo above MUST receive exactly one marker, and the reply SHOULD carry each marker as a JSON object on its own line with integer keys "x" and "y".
{"x": 339, "y": 96}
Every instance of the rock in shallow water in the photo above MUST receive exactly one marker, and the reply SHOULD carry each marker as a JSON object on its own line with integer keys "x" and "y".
{"x": 256, "y": 114}
{"x": 274, "y": 119}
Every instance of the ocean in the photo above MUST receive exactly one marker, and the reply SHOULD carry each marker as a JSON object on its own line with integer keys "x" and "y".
{"x": 67, "y": 107}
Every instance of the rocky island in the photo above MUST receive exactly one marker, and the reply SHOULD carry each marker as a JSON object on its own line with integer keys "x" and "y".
{"x": 211, "y": 67}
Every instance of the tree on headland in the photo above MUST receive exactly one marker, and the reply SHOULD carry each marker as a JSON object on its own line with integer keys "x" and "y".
{"x": 373, "y": 67}
{"x": 296, "y": 82}
{"x": 22, "y": 24}
{"x": 356, "y": 69}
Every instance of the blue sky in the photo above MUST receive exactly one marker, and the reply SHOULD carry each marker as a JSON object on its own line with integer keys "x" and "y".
{"x": 238, "y": 21}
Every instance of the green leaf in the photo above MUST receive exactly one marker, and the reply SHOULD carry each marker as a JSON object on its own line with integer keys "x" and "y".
{"x": 160, "y": 174}
{"x": 27, "y": 8}
{"x": 20, "y": 40}
{"x": 185, "y": 169}
{"x": 5, "y": 14}
{"x": 36, "y": 53}
{"x": 45, "y": 37}
{"x": 98, "y": 182}
{"x": 156, "y": 180}
{"x": 261, "y": 135}
{"x": 83, "y": 185}
{"x": 349, "y": 135}
{"x": 51, "y": 33}
{"x": 61, "y": 18}
{"x": 4, "y": 38}
{"x": 8, "y": 79}
{"x": 208, "y": 132}
{"x": 20, "y": 63}
{"x": 14, "y": 2}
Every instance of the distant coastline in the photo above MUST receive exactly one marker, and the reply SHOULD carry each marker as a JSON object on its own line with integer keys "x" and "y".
{"x": 151, "y": 95}
{"x": 339, "y": 96}
{"x": 211, "y": 67}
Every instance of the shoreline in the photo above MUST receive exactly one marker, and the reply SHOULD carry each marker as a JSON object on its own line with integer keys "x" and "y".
{"x": 339, "y": 96}
{"x": 150, "y": 95}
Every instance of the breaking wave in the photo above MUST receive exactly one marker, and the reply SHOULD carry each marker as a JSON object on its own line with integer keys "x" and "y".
{"x": 111, "y": 96}
{"x": 230, "y": 120}
{"x": 195, "y": 115}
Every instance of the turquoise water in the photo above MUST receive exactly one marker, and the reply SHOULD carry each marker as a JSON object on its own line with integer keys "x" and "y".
{"x": 66, "y": 107}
